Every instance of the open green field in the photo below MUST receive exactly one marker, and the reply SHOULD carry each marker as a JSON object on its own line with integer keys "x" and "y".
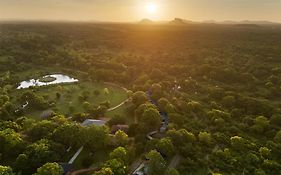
{"x": 71, "y": 96}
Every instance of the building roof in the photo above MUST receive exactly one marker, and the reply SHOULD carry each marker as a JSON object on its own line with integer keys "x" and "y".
{"x": 115, "y": 128}
{"x": 46, "y": 114}
{"x": 89, "y": 122}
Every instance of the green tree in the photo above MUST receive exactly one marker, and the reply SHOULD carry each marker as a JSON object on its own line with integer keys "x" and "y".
{"x": 117, "y": 167}
{"x": 264, "y": 152}
{"x": 87, "y": 106}
{"x": 156, "y": 163}
{"x": 181, "y": 137}
{"x": 260, "y": 172}
{"x": 34, "y": 100}
{"x": 205, "y": 137}
{"x": 97, "y": 137}
{"x": 40, "y": 153}
{"x": 277, "y": 137}
{"x": 271, "y": 166}
{"x": 238, "y": 143}
{"x": 96, "y": 92}
{"x": 119, "y": 153}
{"x": 172, "y": 171}
{"x": 85, "y": 95}
{"x": 4, "y": 99}
{"x": 50, "y": 169}
{"x": 156, "y": 90}
{"x": 141, "y": 108}
{"x": 151, "y": 119}
{"x": 194, "y": 106}
{"x": 69, "y": 134}
{"x": 177, "y": 119}
{"x": 121, "y": 138}
{"x": 21, "y": 164}
{"x": 261, "y": 124}
{"x": 216, "y": 114}
{"x": 156, "y": 74}
{"x": 162, "y": 103}
{"x": 41, "y": 129}
{"x": 11, "y": 142}
{"x": 58, "y": 95}
{"x": 275, "y": 120}
{"x": 5, "y": 170}
{"x": 139, "y": 98}
{"x": 166, "y": 147}
{"x": 104, "y": 171}
{"x": 252, "y": 159}
{"x": 170, "y": 108}
{"x": 228, "y": 101}
{"x": 106, "y": 91}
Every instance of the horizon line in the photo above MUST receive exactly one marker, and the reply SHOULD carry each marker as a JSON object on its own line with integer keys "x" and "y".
{"x": 136, "y": 21}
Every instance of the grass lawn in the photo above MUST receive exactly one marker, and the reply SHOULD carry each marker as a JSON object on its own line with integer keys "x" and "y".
{"x": 122, "y": 112}
{"x": 70, "y": 95}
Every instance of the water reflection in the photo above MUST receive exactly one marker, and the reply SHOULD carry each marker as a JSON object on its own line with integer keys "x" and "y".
{"x": 59, "y": 78}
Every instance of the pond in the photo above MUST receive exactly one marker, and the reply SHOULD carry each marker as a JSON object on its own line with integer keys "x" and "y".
{"x": 54, "y": 79}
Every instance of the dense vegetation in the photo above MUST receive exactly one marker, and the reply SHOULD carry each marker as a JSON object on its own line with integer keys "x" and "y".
{"x": 219, "y": 85}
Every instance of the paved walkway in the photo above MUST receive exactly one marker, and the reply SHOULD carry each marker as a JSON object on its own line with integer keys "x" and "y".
{"x": 135, "y": 165}
{"x": 138, "y": 168}
{"x": 149, "y": 135}
{"x": 76, "y": 155}
{"x": 121, "y": 104}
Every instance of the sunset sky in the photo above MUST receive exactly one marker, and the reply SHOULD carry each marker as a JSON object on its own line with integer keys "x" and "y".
{"x": 134, "y": 10}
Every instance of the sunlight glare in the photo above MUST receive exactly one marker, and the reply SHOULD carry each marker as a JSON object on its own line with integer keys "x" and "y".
{"x": 151, "y": 7}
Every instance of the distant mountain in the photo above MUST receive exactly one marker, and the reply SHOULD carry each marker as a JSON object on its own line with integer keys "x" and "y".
{"x": 177, "y": 21}
{"x": 209, "y": 21}
{"x": 146, "y": 21}
{"x": 244, "y": 22}
{"x": 249, "y": 22}
{"x": 180, "y": 21}
{"x": 227, "y": 22}
{"x": 258, "y": 22}
{"x": 247, "y": 25}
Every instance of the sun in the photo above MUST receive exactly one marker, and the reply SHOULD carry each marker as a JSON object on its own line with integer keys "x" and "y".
{"x": 151, "y": 7}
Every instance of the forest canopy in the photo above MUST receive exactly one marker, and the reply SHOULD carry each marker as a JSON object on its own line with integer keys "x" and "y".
{"x": 192, "y": 99}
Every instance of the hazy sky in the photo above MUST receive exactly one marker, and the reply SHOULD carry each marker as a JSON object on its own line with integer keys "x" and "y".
{"x": 133, "y": 10}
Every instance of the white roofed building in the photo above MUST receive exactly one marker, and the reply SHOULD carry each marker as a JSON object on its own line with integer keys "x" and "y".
{"x": 89, "y": 122}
